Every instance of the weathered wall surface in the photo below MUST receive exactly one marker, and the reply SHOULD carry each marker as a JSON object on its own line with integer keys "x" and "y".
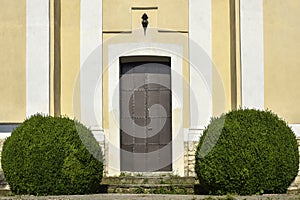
{"x": 70, "y": 54}
{"x": 221, "y": 54}
{"x": 189, "y": 158}
{"x": 281, "y": 54}
{"x": 13, "y": 61}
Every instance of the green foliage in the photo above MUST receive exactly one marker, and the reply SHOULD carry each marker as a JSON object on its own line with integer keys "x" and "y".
{"x": 139, "y": 190}
{"x": 247, "y": 152}
{"x": 47, "y": 156}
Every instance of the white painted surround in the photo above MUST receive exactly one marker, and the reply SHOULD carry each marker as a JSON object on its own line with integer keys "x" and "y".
{"x": 252, "y": 53}
{"x": 91, "y": 66}
{"x": 173, "y": 51}
{"x": 200, "y": 58}
{"x": 6, "y": 129}
{"x": 37, "y": 57}
{"x": 296, "y": 129}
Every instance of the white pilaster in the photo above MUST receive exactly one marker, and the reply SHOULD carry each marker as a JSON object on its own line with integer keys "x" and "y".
{"x": 91, "y": 63}
{"x": 37, "y": 57}
{"x": 252, "y": 53}
{"x": 200, "y": 53}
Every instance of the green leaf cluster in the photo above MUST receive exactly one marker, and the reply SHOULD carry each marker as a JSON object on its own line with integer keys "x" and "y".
{"x": 247, "y": 151}
{"x": 52, "y": 156}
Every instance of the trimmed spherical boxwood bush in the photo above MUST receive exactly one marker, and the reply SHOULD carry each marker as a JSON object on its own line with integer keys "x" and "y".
{"x": 52, "y": 156}
{"x": 247, "y": 152}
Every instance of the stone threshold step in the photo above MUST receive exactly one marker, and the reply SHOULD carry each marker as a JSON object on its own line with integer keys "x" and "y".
{"x": 148, "y": 180}
{"x": 152, "y": 185}
{"x": 151, "y": 189}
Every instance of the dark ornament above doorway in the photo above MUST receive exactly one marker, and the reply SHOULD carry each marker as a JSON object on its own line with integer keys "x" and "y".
{"x": 145, "y": 22}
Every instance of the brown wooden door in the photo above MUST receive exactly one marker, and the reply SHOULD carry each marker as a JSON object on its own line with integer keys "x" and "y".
{"x": 145, "y": 116}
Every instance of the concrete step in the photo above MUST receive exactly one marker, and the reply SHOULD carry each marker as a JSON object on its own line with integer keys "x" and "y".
{"x": 151, "y": 189}
{"x": 148, "y": 180}
{"x": 148, "y": 185}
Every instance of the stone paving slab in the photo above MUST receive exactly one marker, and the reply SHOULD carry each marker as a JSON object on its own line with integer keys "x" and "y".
{"x": 153, "y": 197}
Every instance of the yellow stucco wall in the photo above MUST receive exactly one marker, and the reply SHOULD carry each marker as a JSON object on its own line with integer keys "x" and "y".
{"x": 238, "y": 53}
{"x": 70, "y": 54}
{"x": 144, "y": 3}
{"x": 136, "y": 18}
{"x": 221, "y": 56}
{"x": 13, "y": 61}
{"x": 173, "y": 15}
{"x": 116, "y": 15}
{"x": 282, "y": 63}
{"x": 281, "y": 46}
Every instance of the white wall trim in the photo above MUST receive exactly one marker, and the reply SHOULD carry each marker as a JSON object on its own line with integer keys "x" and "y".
{"x": 6, "y": 130}
{"x": 200, "y": 54}
{"x": 37, "y": 57}
{"x": 195, "y": 134}
{"x": 252, "y": 53}
{"x": 91, "y": 63}
{"x": 296, "y": 129}
{"x": 4, "y": 135}
{"x": 150, "y": 49}
{"x": 200, "y": 24}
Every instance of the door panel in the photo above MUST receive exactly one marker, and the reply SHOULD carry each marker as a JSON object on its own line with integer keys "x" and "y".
{"x": 138, "y": 104}
{"x": 145, "y": 116}
{"x": 165, "y": 138}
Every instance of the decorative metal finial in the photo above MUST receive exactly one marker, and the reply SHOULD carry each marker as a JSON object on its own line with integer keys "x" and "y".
{"x": 145, "y": 22}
